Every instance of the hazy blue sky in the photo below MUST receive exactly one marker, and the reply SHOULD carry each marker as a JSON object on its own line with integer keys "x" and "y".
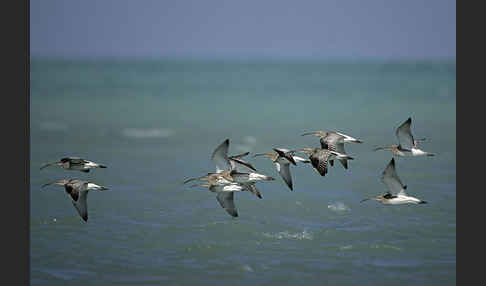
{"x": 347, "y": 29}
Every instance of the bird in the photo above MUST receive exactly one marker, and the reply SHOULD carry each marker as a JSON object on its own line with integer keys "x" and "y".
{"x": 221, "y": 178}
{"x": 324, "y": 133}
{"x": 225, "y": 194}
{"x": 78, "y": 190}
{"x": 232, "y": 175}
{"x": 319, "y": 158}
{"x": 334, "y": 141}
{"x": 224, "y": 162}
{"x": 396, "y": 194}
{"x": 75, "y": 163}
{"x": 240, "y": 171}
{"x": 283, "y": 158}
{"x": 408, "y": 146}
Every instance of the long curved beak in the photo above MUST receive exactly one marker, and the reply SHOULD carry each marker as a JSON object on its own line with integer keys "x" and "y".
{"x": 311, "y": 133}
{"x": 60, "y": 183}
{"x": 368, "y": 199}
{"x": 262, "y": 154}
{"x": 189, "y": 180}
{"x": 380, "y": 148}
{"x": 49, "y": 164}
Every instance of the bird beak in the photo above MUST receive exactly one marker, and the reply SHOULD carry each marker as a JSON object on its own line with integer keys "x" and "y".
{"x": 374, "y": 198}
{"x": 259, "y": 155}
{"x": 311, "y": 133}
{"x": 52, "y": 183}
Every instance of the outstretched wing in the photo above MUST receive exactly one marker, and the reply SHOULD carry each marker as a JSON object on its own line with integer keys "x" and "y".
{"x": 81, "y": 205}
{"x": 391, "y": 180}
{"x": 284, "y": 171}
{"x": 74, "y": 160}
{"x": 254, "y": 190}
{"x": 240, "y": 165}
{"x": 220, "y": 157}
{"x": 287, "y": 154}
{"x": 226, "y": 201}
{"x": 319, "y": 161}
{"x": 404, "y": 135}
{"x": 331, "y": 141}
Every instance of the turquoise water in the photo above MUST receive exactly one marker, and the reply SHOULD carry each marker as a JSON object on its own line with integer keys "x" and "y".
{"x": 156, "y": 123}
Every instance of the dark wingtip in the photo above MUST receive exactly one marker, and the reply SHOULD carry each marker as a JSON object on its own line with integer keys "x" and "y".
{"x": 431, "y": 154}
{"x": 85, "y": 218}
{"x": 103, "y": 166}
{"x": 423, "y": 202}
{"x": 405, "y": 187}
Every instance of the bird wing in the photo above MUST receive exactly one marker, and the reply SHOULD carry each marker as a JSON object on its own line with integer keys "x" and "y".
{"x": 81, "y": 204}
{"x": 391, "y": 180}
{"x": 340, "y": 149}
{"x": 239, "y": 156}
{"x": 220, "y": 157}
{"x": 74, "y": 160}
{"x": 240, "y": 165}
{"x": 252, "y": 188}
{"x": 319, "y": 161}
{"x": 226, "y": 201}
{"x": 404, "y": 135}
{"x": 284, "y": 171}
{"x": 300, "y": 159}
{"x": 287, "y": 154}
{"x": 331, "y": 141}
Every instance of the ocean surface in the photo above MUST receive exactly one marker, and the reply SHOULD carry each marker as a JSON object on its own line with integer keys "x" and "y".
{"x": 156, "y": 123}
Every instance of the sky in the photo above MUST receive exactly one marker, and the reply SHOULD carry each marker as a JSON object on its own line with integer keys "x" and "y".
{"x": 346, "y": 29}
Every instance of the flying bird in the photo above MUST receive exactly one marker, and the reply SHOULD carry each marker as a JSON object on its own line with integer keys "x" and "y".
{"x": 78, "y": 191}
{"x": 396, "y": 194}
{"x": 334, "y": 141}
{"x": 319, "y": 158}
{"x": 408, "y": 146}
{"x": 75, "y": 163}
{"x": 233, "y": 174}
{"x": 282, "y": 158}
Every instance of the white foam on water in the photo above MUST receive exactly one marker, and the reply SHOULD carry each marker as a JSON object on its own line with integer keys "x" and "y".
{"x": 338, "y": 207}
{"x": 147, "y": 133}
{"x": 247, "y": 268}
{"x": 287, "y": 235}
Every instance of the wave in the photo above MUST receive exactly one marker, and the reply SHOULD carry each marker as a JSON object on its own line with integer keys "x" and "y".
{"x": 147, "y": 133}
{"x": 338, "y": 207}
{"x": 287, "y": 235}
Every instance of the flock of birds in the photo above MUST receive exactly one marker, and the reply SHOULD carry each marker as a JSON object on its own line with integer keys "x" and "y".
{"x": 233, "y": 174}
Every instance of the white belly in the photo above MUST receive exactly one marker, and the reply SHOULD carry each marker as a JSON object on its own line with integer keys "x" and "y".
{"x": 399, "y": 200}
{"x": 418, "y": 152}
